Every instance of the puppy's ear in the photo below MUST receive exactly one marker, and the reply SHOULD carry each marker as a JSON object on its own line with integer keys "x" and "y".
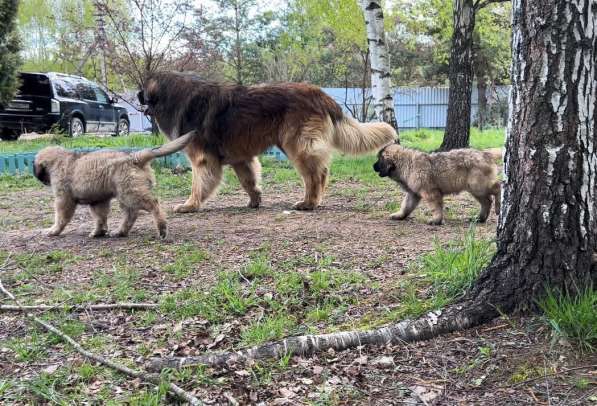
{"x": 141, "y": 97}
{"x": 41, "y": 173}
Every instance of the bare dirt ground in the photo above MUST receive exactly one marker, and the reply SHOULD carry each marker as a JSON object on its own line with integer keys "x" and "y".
{"x": 510, "y": 361}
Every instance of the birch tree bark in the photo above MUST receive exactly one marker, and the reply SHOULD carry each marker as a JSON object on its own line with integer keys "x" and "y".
{"x": 547, "y": 235}
{"x": 381, "y": 85}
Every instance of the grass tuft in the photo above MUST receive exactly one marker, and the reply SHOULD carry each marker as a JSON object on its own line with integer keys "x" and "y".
{"x": 452, "y": 269}
{"x": 572, "y": 317}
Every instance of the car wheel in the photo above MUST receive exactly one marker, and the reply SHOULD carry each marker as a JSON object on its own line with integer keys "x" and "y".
{"x": 123, "y": 127}
{"x": 8, "y": 134}
{"x": 76, "y": 128}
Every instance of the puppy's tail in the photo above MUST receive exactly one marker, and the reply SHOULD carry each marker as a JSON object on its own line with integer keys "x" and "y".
{"x": 353, "y": 137}
{"x": 142, "y": 157}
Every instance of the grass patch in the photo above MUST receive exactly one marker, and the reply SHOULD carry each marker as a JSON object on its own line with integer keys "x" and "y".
{"x": 90, "y": 141}
{"x": 226, "y": 297}
{"x": 35, "y": 264}
{"x": 187, "y": 258}
{"x": 269, "y": 329}
{"x": 435, "y": 280}
{"x": 572, "y": 317}
{"x": 430, "y": 140}
{"x": 453, "y": 268}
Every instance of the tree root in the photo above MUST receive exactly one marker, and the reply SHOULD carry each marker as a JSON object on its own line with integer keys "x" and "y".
{"x": 456, "y": 317}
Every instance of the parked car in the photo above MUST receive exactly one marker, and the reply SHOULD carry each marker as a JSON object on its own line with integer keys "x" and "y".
{"x": 73, "y": 104}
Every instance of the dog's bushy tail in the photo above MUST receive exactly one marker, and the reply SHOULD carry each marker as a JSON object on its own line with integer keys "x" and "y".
{"x": 353, "y": 137}
{"x": 142, "y": 157}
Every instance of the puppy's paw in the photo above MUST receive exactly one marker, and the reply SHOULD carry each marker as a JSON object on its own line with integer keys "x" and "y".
{"x": 480, "y": 220}
{"x": 303, "y": 206}
{"x": 183, "y": 208}
{"x": 397, "y": 216}
{"x": 98, "y": 233}
{"x": 119, "y": 234}
{"x": 435, "y": 222}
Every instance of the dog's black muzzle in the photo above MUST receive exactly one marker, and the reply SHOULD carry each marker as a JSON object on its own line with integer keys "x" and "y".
{"x": 380, "y": 169}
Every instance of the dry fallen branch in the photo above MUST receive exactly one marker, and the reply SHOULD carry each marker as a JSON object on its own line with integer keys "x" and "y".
{"x": 77, "y": 308}
{"x": 153, "y": 378}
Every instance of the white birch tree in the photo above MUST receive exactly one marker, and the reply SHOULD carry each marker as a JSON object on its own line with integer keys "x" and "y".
{"x": 381, "y": 85}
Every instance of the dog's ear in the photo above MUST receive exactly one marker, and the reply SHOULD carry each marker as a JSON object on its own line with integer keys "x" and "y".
{"x": 41, "y": 173}
{"x": 141, "y": 97}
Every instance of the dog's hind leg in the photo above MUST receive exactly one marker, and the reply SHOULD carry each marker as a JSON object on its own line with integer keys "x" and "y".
{"x": 485, "y": 202}
{"x": 207, "y": 174}
{"x": 99, "y": 212}
{"x": 64, "y": 209}
{"x": 496, "y": 190}
{"x": 153, "y": 206}
{"x": 314, "y": 171}
{"x": 435, "y": 200}
{"x": 130, "y": 216}
{"x": 249, "y": 175}
{"x": 409, "y": 203}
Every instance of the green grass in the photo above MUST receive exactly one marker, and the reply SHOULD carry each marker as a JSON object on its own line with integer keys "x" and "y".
{"x": 435, "y": 280}
{"x": 131, "y": 141}
{"x": 270, "y": 328}
{"x": 452, "y": 269}
{"x": 573, "y": 317}
{"x": 429, "y": 140}
{"x": 187, "y": 258}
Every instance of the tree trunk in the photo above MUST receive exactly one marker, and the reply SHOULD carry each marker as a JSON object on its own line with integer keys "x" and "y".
{"x": 481, "y": 102}
{"x": 547, "y": 232}
{"x": 381, "y": 85}
{"x": 458, "y": 121}
{"x": 547, "y": 229}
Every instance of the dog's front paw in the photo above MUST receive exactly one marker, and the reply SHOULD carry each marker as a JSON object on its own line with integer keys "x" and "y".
{"x": 397, "y": 216}
{"x": 53, "y": 232}
{"x": 120, "y": 234}
{"x": 184, "y": 208}
{"x": 303, "y": 206}
{"x": 480, "y": 220}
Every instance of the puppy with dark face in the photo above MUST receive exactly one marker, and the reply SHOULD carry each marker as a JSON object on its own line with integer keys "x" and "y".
{"x": 431, "y": 176}
{"x": 96, "y": 178}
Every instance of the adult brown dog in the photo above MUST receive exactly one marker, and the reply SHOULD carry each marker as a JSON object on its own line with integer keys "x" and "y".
{"x": 431, "y": 176}
{"x": 95, "y": 178}
{"x": 235, "y": 124}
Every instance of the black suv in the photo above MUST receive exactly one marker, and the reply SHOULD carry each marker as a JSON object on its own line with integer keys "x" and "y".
{"x": 70, "y": 103}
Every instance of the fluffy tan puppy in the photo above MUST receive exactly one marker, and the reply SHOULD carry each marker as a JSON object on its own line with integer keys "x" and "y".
{"x": 95, "y": 178}
{"x": 431, "y": 176}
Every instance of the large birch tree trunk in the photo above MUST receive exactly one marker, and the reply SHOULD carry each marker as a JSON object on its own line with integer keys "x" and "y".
{"x": 460, "y": 75}
{"x": 547, "y": 234}
{"x": 381, "y": 85}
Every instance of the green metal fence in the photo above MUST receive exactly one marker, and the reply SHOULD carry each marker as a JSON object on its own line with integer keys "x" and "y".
{"x": 22, "y": 163}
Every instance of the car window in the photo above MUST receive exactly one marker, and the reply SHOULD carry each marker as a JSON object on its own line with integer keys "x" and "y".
{"x": 66, "y": 88}
{"x": 34, "y": 85}
{"x": 101, "y": 96}
{"x": 86, "y": 91}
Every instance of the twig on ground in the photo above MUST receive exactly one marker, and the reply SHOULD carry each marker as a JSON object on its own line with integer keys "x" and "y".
{"x": 153, "y": 378}
{"x": 109, "y": 306}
